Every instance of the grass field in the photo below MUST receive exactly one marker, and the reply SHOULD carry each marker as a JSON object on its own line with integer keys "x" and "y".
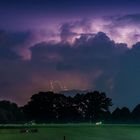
{"x": 74, "y": 132}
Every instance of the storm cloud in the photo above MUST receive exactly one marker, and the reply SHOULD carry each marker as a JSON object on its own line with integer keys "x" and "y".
{"x": 86, "y": 54}
{"x": 91, "y": 62}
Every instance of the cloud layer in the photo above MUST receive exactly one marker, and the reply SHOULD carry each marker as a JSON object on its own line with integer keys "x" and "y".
{"x": 78, "y": 55}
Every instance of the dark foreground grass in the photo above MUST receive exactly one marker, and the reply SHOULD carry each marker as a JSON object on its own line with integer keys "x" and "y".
{"x": 74, "y": 132}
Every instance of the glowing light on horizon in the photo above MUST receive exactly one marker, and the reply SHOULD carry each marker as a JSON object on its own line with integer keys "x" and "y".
{"x": 57, "y": 86}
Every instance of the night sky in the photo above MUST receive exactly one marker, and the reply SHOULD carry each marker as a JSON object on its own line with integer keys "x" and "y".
{"x": 76, "y": 44}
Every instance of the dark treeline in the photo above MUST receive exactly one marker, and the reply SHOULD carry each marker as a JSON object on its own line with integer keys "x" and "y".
{"x": 50, "y": 107}
{"x": 47, "y": 107}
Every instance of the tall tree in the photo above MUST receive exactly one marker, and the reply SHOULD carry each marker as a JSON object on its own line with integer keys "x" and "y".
{"x": 10, "y": 112}
{"x": 40, "y": 107}
{"x": 50, "y": 107}
{"x": 136, "y": 114}
{"x": 125, "y": 115}
{"x": 97, "y": 104}
{"x": 122, "y": 115}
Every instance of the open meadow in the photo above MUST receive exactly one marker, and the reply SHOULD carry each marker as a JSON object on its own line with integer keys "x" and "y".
{"x": 72, "y": 132}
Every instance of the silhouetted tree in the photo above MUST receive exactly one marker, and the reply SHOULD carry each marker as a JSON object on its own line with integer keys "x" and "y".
{"x": 40, "y": 108}
{"x": 125, "y": 115}
{"x": 121, "y": 115}
{"x": 116, "y": 115}
{"x": 69, "y": 112}
{"x": 80, "y": 106}
{"x": 136, "y": 114}
{"x": 50, "y": 107}
{"x": 97, "y": 104}
{"x": 10, "y": 113}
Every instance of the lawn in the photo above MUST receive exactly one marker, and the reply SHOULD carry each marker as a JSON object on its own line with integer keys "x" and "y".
{"x": 74, "y": 132}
